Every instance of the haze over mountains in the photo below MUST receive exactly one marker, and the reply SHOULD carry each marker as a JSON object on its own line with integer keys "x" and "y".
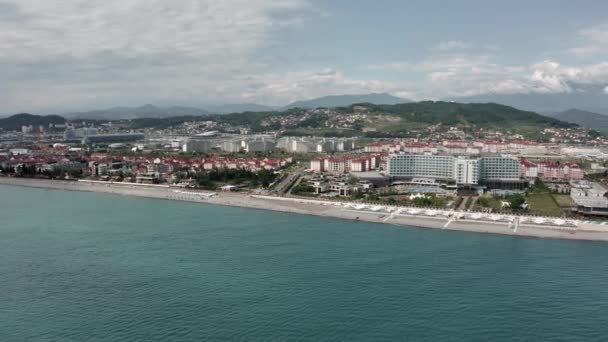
{"x": 347, "y": 100}
{"x": 384, "y": 121}
{"x": 583, "y": 118}
{"x": 151, "y": 111}
{"x": 588, "y": 98}
{"x": 238, "y": 108}
{"x": 591, "y": 103}
{"x": 15, "y": 122}
{"x": 146, "y": 111}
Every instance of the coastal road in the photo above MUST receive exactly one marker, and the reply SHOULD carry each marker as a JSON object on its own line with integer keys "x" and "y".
{"x": 463, "y": 203}
{"x": 296, "y": 183}
{"x": 285, "y": 185}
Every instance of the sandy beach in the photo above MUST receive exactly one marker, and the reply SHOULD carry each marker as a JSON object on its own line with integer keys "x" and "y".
{"x": 582, "y": 230}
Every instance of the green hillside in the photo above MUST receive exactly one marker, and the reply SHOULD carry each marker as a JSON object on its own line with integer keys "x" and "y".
{"x": 474, "y": 114}
{"x": 381, "y": 120}
{"x": 16, "y": 121}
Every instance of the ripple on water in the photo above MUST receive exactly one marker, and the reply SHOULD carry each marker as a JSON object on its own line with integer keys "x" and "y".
{"x": 84, "y": 266}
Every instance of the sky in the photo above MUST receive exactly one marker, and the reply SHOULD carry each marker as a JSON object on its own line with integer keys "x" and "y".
{"x": 71, "y": 55}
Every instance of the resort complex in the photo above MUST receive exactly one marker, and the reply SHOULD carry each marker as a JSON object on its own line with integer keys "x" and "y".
{"x": 557, "y": 172}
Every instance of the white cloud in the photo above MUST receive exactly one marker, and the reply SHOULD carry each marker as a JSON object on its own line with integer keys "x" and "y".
{"x": 594, "y": 41}
{"x": 606, "y": 90}
{"x": 452, "y": 45}
{"x": 459, "y": 75}
{"x": 468, "y": 75}
{"x": 434, "y": 63}
{"x": 135, "y": 50}
{"x": 83, "y": 28}
{"x": 264, "y": 88}
{"x": 473, "y": 74}
{"x": 550, "y": 76}
{"x": 128, "y": 52}
{"x": 292, "y": 86}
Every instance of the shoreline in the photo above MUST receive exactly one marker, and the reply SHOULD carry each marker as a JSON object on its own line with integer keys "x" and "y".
{"x": 512, "y": 225}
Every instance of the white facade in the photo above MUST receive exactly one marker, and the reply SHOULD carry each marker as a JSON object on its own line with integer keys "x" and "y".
{"x": 231, "y": 146}
{"x": 320, "y": 145}
{"x": 421, "y": 165}
{"x": 317, "y": 165}
{"x": 345, "y": 145}
{"x": 499, "y": 168}
{"x": 359, "y": 165}
{"x": 466, "y": 171}
{"x": 258, "y": 145}
{"x": 531, "y": 172}
{"x": 197, "y": 146}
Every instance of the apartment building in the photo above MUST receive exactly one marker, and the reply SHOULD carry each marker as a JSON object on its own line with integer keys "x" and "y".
{"x": 462, "y": 171}
{"x": 551, "y": 171}
{"x": 346, "y": 163}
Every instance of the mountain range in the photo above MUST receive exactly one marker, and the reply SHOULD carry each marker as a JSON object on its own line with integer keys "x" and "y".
{"x": 147, "y": 111}
{"x": 15, "y": 122}
{"x": 347, "y": 100}
{"x": 151, "y": 111}
{"x": 383, "y": 121}
{"x": 392, "y": 119}
{"x": 598, "y": 122}
{"x": 587, "y": 98}
{"x": 592, "y": 100}
{"x": 238, "y": 108}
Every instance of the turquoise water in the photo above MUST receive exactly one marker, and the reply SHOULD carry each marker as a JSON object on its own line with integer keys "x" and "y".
{"x": 98, "y": 267}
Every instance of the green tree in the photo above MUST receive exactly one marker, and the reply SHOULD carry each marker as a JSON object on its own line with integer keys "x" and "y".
{"x": 516, "y": 201}
{"x": 358, "y": 125}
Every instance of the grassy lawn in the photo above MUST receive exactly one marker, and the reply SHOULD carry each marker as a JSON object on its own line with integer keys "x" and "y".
{"x": 487, "y": 203}
{"x": 543, "y": 204}
{"x": 563, "y": 201}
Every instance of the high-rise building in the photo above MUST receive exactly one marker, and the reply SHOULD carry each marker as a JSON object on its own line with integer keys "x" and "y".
{"x": 466, "y": 171}
{"x": 460, "y": 170}
{"x": 197, "y": 145}
{"x": 499, "y": 168}
{"x": 75, "y": 134}
{"x": 421, "y": 165}
{"x": 321, "y": 145}
{"x": 232, "y": 146}
{"x": 258, "y": 145}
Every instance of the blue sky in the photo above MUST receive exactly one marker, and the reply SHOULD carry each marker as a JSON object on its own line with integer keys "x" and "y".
{"x": 84, "y": 54}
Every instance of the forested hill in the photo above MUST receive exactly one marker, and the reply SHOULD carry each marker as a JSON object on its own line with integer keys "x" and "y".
{"x": 16, "y": 121}
{"x": 366, "y": 117}
{"x": 389, "y": 119}
{"x": 477, "y": 114}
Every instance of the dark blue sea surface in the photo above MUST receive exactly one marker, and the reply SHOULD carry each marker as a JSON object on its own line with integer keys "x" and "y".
{"x": 100, "y": 267}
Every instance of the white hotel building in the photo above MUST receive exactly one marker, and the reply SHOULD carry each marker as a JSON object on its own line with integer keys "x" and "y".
{"x": 459, "y": 170}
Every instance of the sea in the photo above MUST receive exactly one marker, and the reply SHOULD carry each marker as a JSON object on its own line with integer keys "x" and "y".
{"x": 78, "y": 266}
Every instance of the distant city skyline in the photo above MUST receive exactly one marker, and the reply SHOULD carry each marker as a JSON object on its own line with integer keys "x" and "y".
{"x": 81, "y": 55}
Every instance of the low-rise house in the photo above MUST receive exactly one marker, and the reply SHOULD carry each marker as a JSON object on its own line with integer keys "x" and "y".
{"x": 551, "y": 171}
{"x": 346, "y": 163}
{"x": 589, "y": 198}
